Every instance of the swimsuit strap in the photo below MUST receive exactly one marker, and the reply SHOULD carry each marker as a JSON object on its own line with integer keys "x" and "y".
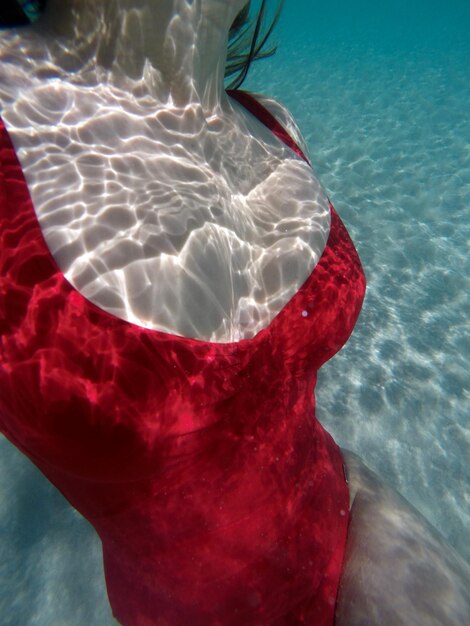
{"x": 250, "y": 103}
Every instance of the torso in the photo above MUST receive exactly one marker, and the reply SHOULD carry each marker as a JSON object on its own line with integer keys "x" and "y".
{"x": 156, "y": 439}
{"x": 196, "y": 227}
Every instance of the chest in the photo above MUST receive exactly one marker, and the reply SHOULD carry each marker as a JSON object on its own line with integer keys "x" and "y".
{"x": 198, "y": 228}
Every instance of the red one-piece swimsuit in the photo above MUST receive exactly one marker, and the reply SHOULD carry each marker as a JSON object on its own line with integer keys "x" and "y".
{"x": 219, "y": 498}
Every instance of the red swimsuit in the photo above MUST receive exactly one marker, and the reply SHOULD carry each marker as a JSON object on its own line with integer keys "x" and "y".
{"x": 218, "y": 496}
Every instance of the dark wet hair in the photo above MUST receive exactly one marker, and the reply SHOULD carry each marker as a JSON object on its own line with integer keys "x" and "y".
{"x": 247, "y": 41}
{"x": 248, "y": 36}
{"x": 20, "y": 12}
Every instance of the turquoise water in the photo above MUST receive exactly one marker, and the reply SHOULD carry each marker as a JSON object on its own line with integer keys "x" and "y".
{"x": 381, "y": 94}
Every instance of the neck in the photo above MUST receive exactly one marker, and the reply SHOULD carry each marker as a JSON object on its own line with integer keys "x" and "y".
{"x": 174, "y": 50}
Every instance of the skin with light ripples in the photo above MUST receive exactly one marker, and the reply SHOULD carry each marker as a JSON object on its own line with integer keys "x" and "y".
{"x": 189, "y": 218}
{"x": 168, "y": 205}
{"x": 398, "y": 570}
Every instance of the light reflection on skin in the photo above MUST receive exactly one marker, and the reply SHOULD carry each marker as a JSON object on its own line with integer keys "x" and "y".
{"x": 179, "y": 211}
{"x": 398, "y": 570}
{"x": 182, "y": 212}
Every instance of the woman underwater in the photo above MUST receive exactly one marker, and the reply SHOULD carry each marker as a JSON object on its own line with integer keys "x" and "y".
{"x": 172, "y": 277}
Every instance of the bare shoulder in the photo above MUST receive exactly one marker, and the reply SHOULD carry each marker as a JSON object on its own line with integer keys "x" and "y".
{"x": 398, "y": 570}
{"x": 285, "y": 118}
{"x": 18, "y": 61}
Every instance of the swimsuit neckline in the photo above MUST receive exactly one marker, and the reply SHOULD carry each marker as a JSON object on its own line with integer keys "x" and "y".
{"x": 160, "y": 334}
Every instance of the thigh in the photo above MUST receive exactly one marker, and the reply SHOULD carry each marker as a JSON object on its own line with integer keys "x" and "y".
{"x": 398, "y": 570}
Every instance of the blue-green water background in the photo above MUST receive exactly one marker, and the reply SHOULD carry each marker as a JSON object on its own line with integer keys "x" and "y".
{"x": 381, "y": 93}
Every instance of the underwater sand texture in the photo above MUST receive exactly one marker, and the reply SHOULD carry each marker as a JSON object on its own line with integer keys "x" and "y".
{"x": 388, "y": 136}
